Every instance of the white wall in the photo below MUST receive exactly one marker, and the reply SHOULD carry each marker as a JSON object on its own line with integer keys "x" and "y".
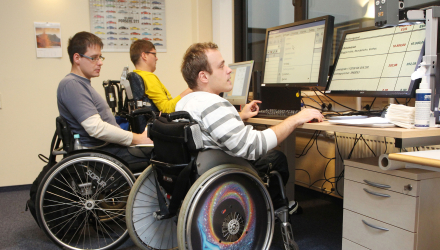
{"x": 28, "y": 84}
{"x": 267, "y": 14}
{"x": 223, "y": 28}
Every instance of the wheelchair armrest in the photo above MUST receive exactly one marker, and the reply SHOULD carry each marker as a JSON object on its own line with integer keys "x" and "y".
{"x": 179, "y": 115}
{"x": 143, "y": 111}
{"x": 59, "y": 152}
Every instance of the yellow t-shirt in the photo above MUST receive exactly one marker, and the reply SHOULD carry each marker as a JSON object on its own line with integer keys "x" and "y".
{"x": 157, "y": 92}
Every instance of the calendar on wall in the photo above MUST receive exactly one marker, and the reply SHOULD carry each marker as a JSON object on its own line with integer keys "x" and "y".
{"x": 120, "y": 22}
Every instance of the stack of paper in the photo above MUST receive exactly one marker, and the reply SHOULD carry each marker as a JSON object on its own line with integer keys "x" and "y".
{"x": 401, "y": 115}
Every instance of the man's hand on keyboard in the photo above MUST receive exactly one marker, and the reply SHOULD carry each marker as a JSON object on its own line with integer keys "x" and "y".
{"x": 250, "y": 110}
{"x": 307, "y": 115}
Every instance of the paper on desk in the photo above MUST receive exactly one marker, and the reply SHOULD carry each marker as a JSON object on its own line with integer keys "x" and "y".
{"x": 401, "y": 115}
{"x": 371, "y": 121}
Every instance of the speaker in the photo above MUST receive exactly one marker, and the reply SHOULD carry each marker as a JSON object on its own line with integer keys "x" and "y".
{"x": 256, "y": 84}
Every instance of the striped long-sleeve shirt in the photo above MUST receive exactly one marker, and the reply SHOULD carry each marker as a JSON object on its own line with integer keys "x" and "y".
{"x": 222, "y": 127}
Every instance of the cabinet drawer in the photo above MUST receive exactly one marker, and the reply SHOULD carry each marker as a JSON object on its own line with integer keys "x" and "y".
{"x": 355, "y": 230}
{"x": 395, "y": 183}
{"x": 349, "y": 245}
{"x": 397, "y": 209}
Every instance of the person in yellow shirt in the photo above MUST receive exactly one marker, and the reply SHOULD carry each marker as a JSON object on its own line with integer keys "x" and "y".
{"x": 143, "y": 55}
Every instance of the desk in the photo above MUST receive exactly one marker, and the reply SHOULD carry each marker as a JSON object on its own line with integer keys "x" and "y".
{"x": 410, "y": 214}
{"x": 403, "y": 138}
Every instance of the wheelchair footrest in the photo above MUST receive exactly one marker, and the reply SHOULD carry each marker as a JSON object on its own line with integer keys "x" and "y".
{"x": 158, "y": 216}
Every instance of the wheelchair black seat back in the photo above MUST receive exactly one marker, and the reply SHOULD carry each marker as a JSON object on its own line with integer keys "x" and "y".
{"x": 217, "y": 200}
{"x": 135, "y": 98}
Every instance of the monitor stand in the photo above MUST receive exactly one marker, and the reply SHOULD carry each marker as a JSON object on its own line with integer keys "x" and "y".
{"x": 283, "y": 98}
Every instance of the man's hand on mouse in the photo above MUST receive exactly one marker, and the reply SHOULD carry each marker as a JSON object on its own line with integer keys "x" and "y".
{"x": 307, "y": 115}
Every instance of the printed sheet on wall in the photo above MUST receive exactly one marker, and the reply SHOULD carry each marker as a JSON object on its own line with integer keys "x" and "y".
{"x": 120, "y": 22}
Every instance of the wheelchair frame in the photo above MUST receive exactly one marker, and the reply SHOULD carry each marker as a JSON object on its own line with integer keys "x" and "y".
{"x": 86, "y": 193}
{"x": 147, "y": 222}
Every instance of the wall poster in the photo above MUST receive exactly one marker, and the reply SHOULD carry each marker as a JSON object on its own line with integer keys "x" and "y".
{"x": 48, "y": 39}
{"x": 120, "y": 22}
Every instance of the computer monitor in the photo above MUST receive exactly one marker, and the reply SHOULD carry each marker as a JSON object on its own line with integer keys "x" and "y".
{"x": 240, "y": 79}
{"x": 298, "y": 54}
{"x": 378, "y": 62}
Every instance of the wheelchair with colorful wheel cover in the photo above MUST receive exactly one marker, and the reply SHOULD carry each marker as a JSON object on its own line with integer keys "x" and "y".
{"x": 189, "y": 198}
{"x": 80, "y": 202}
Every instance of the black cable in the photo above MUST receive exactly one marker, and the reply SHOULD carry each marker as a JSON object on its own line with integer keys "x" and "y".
{"x": 328, "y": 100}
{"x": 310, "y": 178}
{"x": 43, "y": 158}
{"x": 312, "y": 138}
{"x": 317, "y": 148}
{"x": 342, "y": 172}
{"x": 371, "y": 105}
{"x": 307, "y": 105}
{"x": 341, "y": 175}
{"x": 396, "y": 100}
{"x": 318, "y": 96}
{"x": 312, "y": 99}
{"x": 367, "y": 144}
{"x": 337, "y": 146}
{"x": 336, "y": 101}
{"x": 406, "y": 102}
{"x": 326, "y": 165}
{"x": 386, "y": 145}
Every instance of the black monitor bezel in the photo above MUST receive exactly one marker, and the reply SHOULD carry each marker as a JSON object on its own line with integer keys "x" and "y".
{"x": 387, "y": 94}
{"x": 325, "y": 55}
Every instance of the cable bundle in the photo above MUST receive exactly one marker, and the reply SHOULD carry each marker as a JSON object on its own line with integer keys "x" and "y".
{"x": 401, "y": 115}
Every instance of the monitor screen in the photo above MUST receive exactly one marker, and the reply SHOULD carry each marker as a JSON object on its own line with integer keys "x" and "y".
{"x": 298, "y": 54}
{"x": 378, "y": 62}
{"x": 240, "y": 80}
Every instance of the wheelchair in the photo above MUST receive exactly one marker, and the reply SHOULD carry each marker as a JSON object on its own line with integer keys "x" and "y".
{"x": 133, "y": 86}
{"x": 80, "y": 202}
{"x": 189, "y": 198}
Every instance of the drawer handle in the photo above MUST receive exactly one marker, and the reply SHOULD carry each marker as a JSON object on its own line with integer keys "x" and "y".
{"x": 378, "y": 185}
{"x": 377, "y": 194}
{"x": 375, "y": 227}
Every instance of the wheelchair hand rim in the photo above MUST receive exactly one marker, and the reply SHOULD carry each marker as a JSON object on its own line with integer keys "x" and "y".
{"x": 206, "y": 184}
{"x": 65, "y": 165}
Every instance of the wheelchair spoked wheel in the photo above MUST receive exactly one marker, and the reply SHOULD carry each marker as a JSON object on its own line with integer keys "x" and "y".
{"x": 145, "y": 231}
{"x": 82, "y": 201}
{"x": 228, "y": 207}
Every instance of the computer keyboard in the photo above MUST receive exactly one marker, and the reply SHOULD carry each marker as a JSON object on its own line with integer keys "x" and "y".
{"x": 275, "y": 114}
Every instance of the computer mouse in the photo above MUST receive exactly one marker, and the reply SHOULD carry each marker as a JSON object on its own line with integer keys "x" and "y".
{"x": 313, "y": 120}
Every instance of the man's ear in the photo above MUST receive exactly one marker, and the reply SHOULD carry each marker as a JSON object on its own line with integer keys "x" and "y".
{"x": 76, "y": 58}
{"x": 203, "y": 77}
{"x": 144, "y": 56}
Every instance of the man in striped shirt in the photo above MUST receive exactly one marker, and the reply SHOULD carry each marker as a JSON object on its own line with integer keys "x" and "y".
{"x": 206, "y": 73}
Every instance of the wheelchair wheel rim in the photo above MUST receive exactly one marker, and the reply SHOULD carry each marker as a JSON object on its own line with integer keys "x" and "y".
{"x": 149, "y": 232}
{"x": 81, "y": 204}
{"x": 227, "y": 217}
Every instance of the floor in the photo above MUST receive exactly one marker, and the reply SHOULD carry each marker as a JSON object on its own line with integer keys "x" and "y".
{"x": 319, "y": 227}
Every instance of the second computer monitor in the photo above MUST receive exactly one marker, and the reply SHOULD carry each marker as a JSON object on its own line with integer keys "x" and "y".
{"x": 240, "y": 80}
{"x": 378, "y": 62}
{"x": 298, "y": 54}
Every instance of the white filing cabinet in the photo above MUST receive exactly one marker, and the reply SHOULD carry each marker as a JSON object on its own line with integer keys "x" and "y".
{"x": 397, "y": 209}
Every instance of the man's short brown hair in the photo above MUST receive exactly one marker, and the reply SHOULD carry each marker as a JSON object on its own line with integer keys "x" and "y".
{"x": 80, "y": 42}
{"x": 194, "y": 61}
{"x": 139, "y": 46}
